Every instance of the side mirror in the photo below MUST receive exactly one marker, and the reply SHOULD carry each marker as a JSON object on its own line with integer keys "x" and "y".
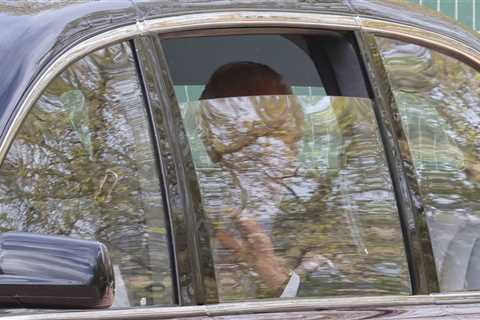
{"x": 54, "y": 272}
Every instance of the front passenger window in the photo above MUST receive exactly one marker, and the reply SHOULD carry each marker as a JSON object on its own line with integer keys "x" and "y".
{"x": 82, "y": 165}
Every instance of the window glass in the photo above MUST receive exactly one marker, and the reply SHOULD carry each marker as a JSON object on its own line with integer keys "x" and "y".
{"x": 82, "y": 165}
{"x": 294, "y": 181}
{"x": 438, "y": 98}
{"x": 193, "y": 92}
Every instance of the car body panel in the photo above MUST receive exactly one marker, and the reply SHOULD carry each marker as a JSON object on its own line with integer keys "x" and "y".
{"x": 392, "y": 307}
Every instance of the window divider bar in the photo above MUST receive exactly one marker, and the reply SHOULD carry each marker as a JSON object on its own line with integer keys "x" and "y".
{"x": 411, "y": 213}
{"x": 196, "y": 274}
{"x": 138, "y": 48}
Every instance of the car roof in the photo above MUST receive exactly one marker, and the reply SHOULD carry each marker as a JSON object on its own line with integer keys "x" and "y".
{"x": 33, "y": 32}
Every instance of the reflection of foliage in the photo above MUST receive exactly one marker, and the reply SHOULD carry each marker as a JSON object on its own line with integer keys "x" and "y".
{"x": 78, "y": 115}
{"x": 439, "y": 102}
{"x": 82, "y": 165}
{"x": 350, "y": 217}
{"x": 328, "y": 198}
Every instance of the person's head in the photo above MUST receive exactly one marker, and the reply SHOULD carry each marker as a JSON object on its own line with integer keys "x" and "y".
{"x": 243, "y": 102}
{"x": 240, "y": 79}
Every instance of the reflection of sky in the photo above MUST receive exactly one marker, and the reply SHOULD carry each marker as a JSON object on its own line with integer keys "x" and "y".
{"x": 313, "y": 104}
{"x": 303, "y": 188}
{"x": 58, "y": 265}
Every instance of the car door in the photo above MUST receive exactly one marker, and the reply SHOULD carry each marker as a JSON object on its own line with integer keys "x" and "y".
{"x": 336, "y": 215}
{"x": 281, "y": 151}
{"x": 292, "y": 222}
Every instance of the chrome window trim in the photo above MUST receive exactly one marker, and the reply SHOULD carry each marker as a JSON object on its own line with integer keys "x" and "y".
{"x": 255, "y": 307}
{"x": 424, "y": 37}
{"x": 196, "y": 21}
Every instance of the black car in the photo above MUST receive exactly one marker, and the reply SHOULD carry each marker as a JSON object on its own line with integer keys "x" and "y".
{"x": 238, "y": 160}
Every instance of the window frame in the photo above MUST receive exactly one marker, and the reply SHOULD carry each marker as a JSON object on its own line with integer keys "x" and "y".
{"x": 182, "y": 191}
{"x": 189, "y": 22}
{"x": 329, "y": 79}
{"x": 170, "y": 102}
{"x": 414, "y": 226}
{"x": 144, "y": 106}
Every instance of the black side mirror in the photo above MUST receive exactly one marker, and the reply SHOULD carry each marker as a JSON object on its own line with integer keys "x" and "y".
{"x": 54, "y": 272}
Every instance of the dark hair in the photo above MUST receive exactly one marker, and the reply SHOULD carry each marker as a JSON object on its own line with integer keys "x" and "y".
{"x": 239, "y": 79}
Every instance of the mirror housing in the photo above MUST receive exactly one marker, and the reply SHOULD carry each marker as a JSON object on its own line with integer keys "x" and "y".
{"x": 54, "y": 272}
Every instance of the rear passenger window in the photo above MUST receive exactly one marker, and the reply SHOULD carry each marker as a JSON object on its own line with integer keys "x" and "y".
{"x": 438, "y": 99}
{"x": 82, "y": 165}
{"x": 291, "y": 169}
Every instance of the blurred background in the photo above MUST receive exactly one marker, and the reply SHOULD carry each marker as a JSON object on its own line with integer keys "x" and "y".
{"x": 465, "y": 11}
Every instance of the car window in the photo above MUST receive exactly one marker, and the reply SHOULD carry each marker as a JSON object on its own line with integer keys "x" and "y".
{"x": 82, "y": 165}
{"x": 438, "y": 99}
{"x": 291, "y": 169}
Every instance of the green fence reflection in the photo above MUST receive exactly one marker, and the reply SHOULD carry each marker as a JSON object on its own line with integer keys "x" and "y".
{"x": 466, "y": 12}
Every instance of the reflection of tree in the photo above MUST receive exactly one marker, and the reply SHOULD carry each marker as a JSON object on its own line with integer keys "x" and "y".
{"x": 439, "y": 92}
{"x": 268, "y": 132}
{"x": 82, "y": 166}
{"x": 438, "y": 99}
{"x": 349, "y": 215}
{"x": 313, "y": 210}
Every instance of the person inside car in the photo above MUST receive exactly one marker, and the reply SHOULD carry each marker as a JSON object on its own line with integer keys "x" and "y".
{"x": 258, "y": 153}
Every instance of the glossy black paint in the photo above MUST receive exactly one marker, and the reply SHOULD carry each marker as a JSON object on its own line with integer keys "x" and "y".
{"x": 54, "y": 271}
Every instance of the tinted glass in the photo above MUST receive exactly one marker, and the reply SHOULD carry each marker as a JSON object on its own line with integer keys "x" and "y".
{"x": 325, "y": 63}
{"x": 82, "y": 165}
{"x": 297, "y": 184}
{"x": 438, "y": 98}
{"x": 291, "y": 170}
